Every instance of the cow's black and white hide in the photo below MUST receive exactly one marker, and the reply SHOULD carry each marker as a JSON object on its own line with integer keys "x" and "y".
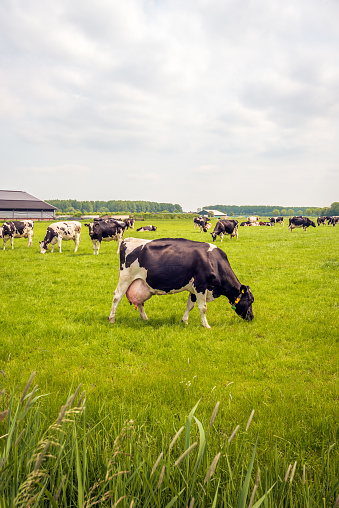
{"x": 300, "y": 222}
{"x": 225, "y": 227}
{"x": 276, "y": 220}
{"x": 59, "y": 231}
{"x": 147, "y": 228}
{"x": 168, "y": 265}
{"x": 203, "y": 223}
{"x": 105, "y": 231}
{"x": 321, "y": 220}
{"x": 17, "y": 229}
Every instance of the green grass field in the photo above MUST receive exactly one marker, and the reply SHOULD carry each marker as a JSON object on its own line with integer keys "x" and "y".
{"x": 283, "y": 364}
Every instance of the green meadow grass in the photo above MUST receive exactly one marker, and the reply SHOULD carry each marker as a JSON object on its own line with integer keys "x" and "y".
{"x": 283, "y": 364}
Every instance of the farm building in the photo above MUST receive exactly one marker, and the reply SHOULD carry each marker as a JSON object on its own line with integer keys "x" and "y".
{"x": 213, "y": 213}
{"x": 20, "y": 205}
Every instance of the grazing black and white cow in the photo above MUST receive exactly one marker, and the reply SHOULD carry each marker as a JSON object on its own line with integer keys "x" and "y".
{"x": 168, "y": 265}
{"x": 334, "y": 220}
{"x": 69, "y": 230}
{"x": 17, "y": 229}
{"x": 202, "y": 222}
{"x": 225, "y": 227}
{"x": 321, "y": 220}
{"x": 147, "y": 228}
{"x": 105, "y": 231}
{"x": 276, "y": 220}
{"x": 300, "y": 222}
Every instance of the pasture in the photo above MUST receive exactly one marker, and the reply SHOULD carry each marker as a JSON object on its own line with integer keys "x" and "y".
{"x": 283, "y": 364}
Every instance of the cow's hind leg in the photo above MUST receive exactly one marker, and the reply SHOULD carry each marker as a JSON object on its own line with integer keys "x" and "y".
{"x": 142, "y": 311}
{"x": 201, "y": 299}
{"x": 190, "y": 305}
{"x": 117, "y": 297}
{"x": 76, "y": 241}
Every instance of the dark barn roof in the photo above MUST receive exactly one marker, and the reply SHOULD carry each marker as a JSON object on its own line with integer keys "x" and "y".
{"x": 19, "y": 200}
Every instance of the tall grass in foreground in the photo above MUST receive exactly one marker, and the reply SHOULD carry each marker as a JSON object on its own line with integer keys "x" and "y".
{"x": 63, "y": 464}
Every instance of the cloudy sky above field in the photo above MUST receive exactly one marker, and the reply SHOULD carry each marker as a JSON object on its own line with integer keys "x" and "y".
{"x": 195, "y": 102}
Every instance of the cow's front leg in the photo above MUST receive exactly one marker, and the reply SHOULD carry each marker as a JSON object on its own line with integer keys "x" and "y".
{"x": 190, "y": 305}
{"x": 221, "y": 236}
{"x": 59, "y": 243}
{"x": 117, "y": 297}
{"x": 98, "y": 247}
{"x": 12, "y": 242}
{"x": 201, "y": 299}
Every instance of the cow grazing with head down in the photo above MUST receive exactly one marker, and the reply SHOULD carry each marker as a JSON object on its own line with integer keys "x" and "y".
{"x": 225, "y": 227}
{"x": 300, "y": 222}
{"x": 173, "y": 265}
{"x": 17, "y": 229}
{"x": 147, "y": 228}
{"x": 69, "y": 230}
{"x": 334, "y": 220}
{"x": 105, "y": 231}
{"x": 203, "y": 223}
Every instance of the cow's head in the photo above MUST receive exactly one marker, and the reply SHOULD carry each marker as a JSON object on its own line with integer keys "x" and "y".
{"x": 43, "y": 247}
{"x": 214, "y": 236}
{"x": 313, "y": 223}
{"x": 91, "y": 227}
{"x": 243, "y": 303}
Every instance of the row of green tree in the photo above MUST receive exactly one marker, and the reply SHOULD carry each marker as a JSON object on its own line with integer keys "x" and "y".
{"x": 264, "y": 210}
{"x": 72, "y": 206}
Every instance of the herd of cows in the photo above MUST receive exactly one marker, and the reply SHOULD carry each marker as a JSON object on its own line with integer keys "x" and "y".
{"x": 164, "y": 266}
{"x": 113, "y": 229}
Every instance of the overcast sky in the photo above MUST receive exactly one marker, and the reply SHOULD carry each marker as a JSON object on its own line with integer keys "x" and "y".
{"x": 196, "y": 102}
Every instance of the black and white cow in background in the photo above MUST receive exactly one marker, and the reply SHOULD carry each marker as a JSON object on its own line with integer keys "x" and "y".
{"x": 17, "y": 229}
{"x": 69, "y": 230}
{"x": 168, "y": 265}
{"x": 147, "y": 228}
{"x": 202, "y": 223}
{"x": 276, "y": 220}
{"x": 300, "y": 222}
{"x": 129, "y": 223}
{"x": 105, "y": 231}
{"x": 321, "y": 220}
{"x": 334, "y": 220}
{"x": 225, "y": 227}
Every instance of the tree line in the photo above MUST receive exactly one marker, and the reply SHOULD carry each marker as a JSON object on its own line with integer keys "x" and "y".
{"x": 73, "y": 206}
{"x": 264, "y": 210}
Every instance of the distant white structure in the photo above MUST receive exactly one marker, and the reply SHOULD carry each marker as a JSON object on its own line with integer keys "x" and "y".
{"x": 215, "y": 213}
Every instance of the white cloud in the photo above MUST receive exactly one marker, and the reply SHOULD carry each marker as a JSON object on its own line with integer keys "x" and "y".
{"x": 155, "y": 88}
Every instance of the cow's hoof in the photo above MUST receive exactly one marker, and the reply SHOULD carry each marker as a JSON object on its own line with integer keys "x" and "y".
{"x": 185, "y": 322}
